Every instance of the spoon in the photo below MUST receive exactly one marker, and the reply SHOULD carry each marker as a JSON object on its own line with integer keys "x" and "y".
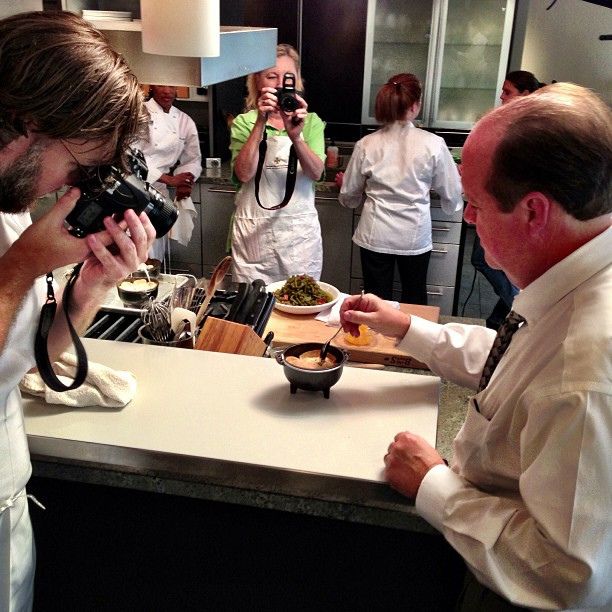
{"x": 215, "y": 279}
{"x": 325, "y": 347}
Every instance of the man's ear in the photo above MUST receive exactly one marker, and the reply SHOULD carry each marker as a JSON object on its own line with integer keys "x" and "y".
{"x": 536, "y": 209}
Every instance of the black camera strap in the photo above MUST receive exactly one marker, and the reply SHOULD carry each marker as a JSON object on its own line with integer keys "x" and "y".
{"x": 291, "y": 173}
{"x": 41, "y": 351}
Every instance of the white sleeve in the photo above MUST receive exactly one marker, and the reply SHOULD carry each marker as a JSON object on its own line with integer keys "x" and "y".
{"x": 453, "y": 351}
{"x": 447, "y": 182}
{"x": 190, "y": 159}
{"x": 352, "y": 192}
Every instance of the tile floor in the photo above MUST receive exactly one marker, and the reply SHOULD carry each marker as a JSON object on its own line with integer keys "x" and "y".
{"x": 476, "y": 296}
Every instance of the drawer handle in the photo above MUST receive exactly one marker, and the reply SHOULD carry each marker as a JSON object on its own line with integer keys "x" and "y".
{"x": 222, "y": 190}
{"x": 324, "y": 198}
{"x": 439, "y": 294}
{"x": 440, "y": 229}
{"x": 443, "y": 251}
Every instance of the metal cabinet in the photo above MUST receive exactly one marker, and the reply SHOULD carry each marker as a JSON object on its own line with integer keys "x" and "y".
{"x": 217, "y": 209}
{"x": 458, "y": 48}
{"x": 336, "y": 222}
{"x": 444, "y": 264}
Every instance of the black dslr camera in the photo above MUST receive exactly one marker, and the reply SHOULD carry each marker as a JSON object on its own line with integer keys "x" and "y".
{"x": 112, "y": 192}
{"x": 286, "y": 96}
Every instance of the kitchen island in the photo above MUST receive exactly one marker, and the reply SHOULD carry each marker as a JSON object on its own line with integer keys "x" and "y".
{"x": 136, "y": 528}
{"x": 170, "y": 530}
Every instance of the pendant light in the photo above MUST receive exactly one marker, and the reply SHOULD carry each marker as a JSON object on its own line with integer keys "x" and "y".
{"x": 186, "y": 28}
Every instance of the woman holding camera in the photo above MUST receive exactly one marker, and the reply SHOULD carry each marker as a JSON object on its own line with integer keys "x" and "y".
{"x": 277, "y": 155}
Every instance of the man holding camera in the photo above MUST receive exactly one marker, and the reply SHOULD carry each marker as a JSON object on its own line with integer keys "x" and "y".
{"x": 68, "y": 103}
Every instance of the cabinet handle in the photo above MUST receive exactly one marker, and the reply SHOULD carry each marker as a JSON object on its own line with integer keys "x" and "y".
{"x": 437, "y": 294}
{"x": 443, "y": 251}
{"x": 210, "y": 189}
{"x": 440, "y": 229}
{"x": 325, "y": 198}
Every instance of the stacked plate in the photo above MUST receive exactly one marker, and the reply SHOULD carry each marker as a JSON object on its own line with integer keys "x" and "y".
{"x": 107, "y": 15}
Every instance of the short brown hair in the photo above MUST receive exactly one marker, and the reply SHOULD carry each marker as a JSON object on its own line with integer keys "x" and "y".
{"x": 396, "y": 97}
{"x": 61, "y": 75}
{"x": 557, "y": 141}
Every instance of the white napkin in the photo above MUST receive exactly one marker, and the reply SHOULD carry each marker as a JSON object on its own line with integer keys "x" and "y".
{"x": 183, "y": 228}
{"x": 331, "y": 316}
{"x": 103, "y": 386}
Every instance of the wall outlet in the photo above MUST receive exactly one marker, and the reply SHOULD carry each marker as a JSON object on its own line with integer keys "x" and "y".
{"x": 213, "y": 162}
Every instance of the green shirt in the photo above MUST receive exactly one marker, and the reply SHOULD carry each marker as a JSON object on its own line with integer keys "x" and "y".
{"x": 243, "y": 126}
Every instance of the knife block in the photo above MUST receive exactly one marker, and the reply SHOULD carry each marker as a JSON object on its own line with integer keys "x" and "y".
{"x": 222, "y": 336}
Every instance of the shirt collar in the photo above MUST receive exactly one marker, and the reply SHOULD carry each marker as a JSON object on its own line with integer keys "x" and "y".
{"x": 538, "y": 297}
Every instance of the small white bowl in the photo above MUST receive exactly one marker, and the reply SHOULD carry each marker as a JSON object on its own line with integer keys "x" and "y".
{"x": 304, "y": 310}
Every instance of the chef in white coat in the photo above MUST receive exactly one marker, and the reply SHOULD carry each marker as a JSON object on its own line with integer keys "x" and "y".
{"x": 274, "y": 244}
{"x": 173, "y": 157}
{"x": 45, "y": 145}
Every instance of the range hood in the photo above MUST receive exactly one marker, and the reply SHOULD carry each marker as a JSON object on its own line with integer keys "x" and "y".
{"x": 242, "y": 50}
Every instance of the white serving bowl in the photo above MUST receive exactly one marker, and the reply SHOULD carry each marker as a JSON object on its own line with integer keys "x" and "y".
{"x": 304, "y": 310}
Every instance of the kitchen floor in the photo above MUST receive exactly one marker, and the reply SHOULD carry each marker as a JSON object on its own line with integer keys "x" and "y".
{"x": 476, "y": 296}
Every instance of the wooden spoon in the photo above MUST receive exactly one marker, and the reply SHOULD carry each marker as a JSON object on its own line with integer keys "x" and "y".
{"x": 215, "y": 279}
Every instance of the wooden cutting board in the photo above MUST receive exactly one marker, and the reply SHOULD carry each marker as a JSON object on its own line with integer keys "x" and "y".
{"x": 294, "y": 329}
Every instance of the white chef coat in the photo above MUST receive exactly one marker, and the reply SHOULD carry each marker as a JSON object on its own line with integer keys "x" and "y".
{"x": 391, "y": 172}
{"x": 173, "y": 136}
{"x": 528, "y": 502}
{"x": 17, "y": 556}
{"x": 274, "y": 244}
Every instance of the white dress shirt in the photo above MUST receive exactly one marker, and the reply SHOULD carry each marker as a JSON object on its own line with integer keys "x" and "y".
{"x": 391, "y": 173}
{"x": 528, "y": 501}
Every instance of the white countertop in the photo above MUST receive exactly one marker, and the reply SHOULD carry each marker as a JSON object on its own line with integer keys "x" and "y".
{"x": 239, "y": 409}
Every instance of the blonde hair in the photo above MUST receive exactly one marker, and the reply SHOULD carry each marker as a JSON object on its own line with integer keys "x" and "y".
{"x": 282, "y": 50}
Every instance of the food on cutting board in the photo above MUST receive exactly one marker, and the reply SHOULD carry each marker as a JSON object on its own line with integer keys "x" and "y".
{"x": 302, "y": 290}
{"x": 363, "y": 339}
{"x": 311, "y": 360}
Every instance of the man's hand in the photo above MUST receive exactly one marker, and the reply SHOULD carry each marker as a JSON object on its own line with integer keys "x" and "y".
{"x": 407, "y": 461}
{"x": 374, "y": 312}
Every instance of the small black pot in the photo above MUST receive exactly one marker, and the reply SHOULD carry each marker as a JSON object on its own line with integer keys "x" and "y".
{"x": 311, "y": 380}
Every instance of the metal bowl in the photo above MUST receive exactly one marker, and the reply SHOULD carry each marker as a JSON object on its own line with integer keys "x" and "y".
{"x": 307, "y": 379}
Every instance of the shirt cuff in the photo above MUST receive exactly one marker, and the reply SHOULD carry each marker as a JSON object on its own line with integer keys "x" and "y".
{"x": 420, "y": 338}
{"x": 437, "y": 486}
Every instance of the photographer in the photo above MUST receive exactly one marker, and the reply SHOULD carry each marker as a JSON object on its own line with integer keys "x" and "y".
{"x": 275, "y": 244}
{"x": 68, "y": 103}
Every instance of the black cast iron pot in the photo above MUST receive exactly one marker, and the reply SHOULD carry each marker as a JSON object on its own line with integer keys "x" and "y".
{"x": 311, "y": 380}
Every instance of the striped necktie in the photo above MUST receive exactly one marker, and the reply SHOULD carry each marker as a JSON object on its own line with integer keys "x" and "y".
{"x": 501, "y": 343}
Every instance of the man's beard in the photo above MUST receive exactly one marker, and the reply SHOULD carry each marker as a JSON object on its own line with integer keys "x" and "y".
{"x": 18, "y": 183}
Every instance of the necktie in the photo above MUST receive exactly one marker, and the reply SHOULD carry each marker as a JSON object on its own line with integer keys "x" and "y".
{"x": 501, "y": 343}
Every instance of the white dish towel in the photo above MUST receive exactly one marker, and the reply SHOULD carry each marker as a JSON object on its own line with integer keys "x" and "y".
{"x": 103, "y": 386}
{"x": 183, "y": 228}
{"x": 331, "y": 316}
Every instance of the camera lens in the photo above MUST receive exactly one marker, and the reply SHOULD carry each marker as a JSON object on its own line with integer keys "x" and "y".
{"x": 288, "y": 102}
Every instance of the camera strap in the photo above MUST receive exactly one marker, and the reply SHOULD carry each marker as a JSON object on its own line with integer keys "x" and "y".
{"x": 41, "y": 351}
{"x": 291, "y": 173}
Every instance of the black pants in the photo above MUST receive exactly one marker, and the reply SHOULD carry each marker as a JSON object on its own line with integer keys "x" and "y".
{"x": 478, "y": 598}
{"x": 379, "y": 268}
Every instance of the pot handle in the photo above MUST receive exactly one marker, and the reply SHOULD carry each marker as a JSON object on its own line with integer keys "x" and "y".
{"x": 280, "y": 357}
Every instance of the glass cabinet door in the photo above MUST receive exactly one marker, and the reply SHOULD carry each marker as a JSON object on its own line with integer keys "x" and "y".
{"x": 398, "y": 39}
{"x": 471, "y": 60}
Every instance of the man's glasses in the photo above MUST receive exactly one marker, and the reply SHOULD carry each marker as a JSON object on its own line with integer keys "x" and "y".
{"x": 95, "y": 177}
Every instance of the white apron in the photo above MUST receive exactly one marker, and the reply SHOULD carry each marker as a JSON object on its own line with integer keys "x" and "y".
{"x": 274, "y": 244}
{"x": 16, "y": 542}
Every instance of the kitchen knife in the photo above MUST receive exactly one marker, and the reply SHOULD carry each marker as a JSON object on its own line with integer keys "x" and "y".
{"x": 243, "y": 290}
{"x": 255, "y": 290}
